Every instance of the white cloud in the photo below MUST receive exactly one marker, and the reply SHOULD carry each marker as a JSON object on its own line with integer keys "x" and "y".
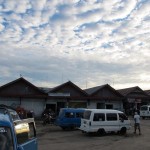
{"x": 86, "y": 40}
{"x": 1, "y": 27}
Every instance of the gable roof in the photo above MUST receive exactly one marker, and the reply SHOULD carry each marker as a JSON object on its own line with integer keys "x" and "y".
{"x": 93, "y": 90}
{"x": 23, "y": 80}
{"x": 68, "y": 83}
{"x": 127, "y": 91}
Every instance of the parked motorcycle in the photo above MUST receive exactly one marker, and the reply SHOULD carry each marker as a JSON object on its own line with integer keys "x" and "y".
{"x": 48, "y": 117}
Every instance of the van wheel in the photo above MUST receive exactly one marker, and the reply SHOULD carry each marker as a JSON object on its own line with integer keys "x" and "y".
{"x": 83, "y": 132}
{"x": 123, "y": 131}
{"x": 143, "y": 117}
{"x": 72, "y": 127}
{"x": 101, "y": 132}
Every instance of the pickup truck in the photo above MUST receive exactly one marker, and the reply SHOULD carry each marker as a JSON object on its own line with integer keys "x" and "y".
{"x": 16, "y": 134}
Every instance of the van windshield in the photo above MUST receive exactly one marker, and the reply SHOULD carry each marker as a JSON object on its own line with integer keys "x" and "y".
{"x": 5, "y": 139}
{"x": 87, "y": 114}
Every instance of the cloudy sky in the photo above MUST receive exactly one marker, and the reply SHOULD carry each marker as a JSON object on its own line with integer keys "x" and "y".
{"x": 89, "y": 42}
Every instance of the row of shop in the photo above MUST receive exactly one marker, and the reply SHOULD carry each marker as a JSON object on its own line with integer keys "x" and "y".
{"x": 22, "y": 93}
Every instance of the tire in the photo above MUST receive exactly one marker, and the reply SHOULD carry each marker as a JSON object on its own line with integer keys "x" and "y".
{"x": 72, "y": 127}
{"x": 83, "y": 132}
{"x": 101, "y": 132}
{"x": 123, "y": 131}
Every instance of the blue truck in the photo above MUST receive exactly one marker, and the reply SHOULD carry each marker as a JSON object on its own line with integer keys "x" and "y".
{"x": 16, "y": 134}
{"x": 69, "y": 118}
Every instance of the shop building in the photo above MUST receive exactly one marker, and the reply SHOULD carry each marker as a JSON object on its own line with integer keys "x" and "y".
{"x": 134, "y": 97}
{"x": 104, "y": 97}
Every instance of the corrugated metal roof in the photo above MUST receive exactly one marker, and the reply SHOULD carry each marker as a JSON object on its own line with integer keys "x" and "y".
{"x": 92, "y": 90}
{"x": 126, "y": 91}
{"x": 147, "y": 92}
{"x": 68, "y": 83}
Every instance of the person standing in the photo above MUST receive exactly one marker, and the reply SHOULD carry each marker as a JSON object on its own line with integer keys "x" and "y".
{"x": 137, "y": 123}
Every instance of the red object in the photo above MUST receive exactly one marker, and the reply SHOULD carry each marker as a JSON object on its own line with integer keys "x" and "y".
{"x": 21, "y": 112}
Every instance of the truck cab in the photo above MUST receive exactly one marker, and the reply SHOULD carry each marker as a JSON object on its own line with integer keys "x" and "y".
{"x": 16, "y": 134}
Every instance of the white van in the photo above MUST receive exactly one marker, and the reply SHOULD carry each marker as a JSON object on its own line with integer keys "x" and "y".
{"x": 103, "y": 121}
{"x": 145, "y": 111}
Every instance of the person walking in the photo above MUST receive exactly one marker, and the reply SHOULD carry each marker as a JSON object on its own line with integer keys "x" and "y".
{"x": 137, "y": 123}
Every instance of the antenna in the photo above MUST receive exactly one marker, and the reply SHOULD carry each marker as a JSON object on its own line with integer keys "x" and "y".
{"x": 86, "y": 84}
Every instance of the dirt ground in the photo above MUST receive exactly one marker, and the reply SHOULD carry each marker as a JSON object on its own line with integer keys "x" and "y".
{"x": 51, "y": 137}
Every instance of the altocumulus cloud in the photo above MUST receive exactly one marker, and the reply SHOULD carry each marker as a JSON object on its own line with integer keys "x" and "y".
{"x": 88, "y": 42}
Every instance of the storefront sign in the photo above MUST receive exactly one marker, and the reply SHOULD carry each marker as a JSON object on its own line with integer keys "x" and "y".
{"x": 138, "y": 101}
{"x": 131, "y": 100}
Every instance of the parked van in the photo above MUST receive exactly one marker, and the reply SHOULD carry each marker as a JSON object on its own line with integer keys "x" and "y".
{"x": 69, "y": 118}
{"x": 145, "y": 111}
{"x": 102, "y": 121}
{"x": 16, "y": 134}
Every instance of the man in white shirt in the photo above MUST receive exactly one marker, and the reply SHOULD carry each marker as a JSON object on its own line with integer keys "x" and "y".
{"x": 137, "y": 123}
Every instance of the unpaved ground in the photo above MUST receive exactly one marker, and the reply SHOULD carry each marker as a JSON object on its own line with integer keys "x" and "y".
{"x": 54, "y": 138}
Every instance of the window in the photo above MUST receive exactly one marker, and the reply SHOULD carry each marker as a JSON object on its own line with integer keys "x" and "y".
{"x": 144, "y": 108}
{"x": 69, "y": 115}
{"x": 122, "y": 117}
{"x": 6, "y": 141}
{"x": 79, "y": 115}
{"x": 99, "y": 117}
{"x": 111, "y": 116}
{"x": 87, "y": 114}
{"x": 109, "y": 106}
{"x": 32, "y": 132}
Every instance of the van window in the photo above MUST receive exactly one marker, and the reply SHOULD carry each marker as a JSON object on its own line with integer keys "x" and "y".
{"x": 99, "y": 117}
{"x": 111, "y": 116}
{"x": 149, "y": 108}
{"x": 69, "y": 115}
{"x": 79, "y": 115}
{"x": 144, "y": 108}
{"x": 122, "y": 116}
{"x": 87, "y": 114}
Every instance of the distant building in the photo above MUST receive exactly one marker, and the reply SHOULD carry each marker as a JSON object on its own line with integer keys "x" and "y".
{"x": 22, "y": 93}
{"x": 104, "y": 97}
{"x": 134, "y": 97}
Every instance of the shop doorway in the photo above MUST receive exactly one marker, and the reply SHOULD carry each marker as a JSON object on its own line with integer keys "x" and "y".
{"x": 51, "y": 106}
{"x": 59, "y": 106}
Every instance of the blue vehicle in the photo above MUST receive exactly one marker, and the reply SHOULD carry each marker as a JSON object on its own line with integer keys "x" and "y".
{"x": 16, "y": 134}
{"x": 69, "y": 118}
